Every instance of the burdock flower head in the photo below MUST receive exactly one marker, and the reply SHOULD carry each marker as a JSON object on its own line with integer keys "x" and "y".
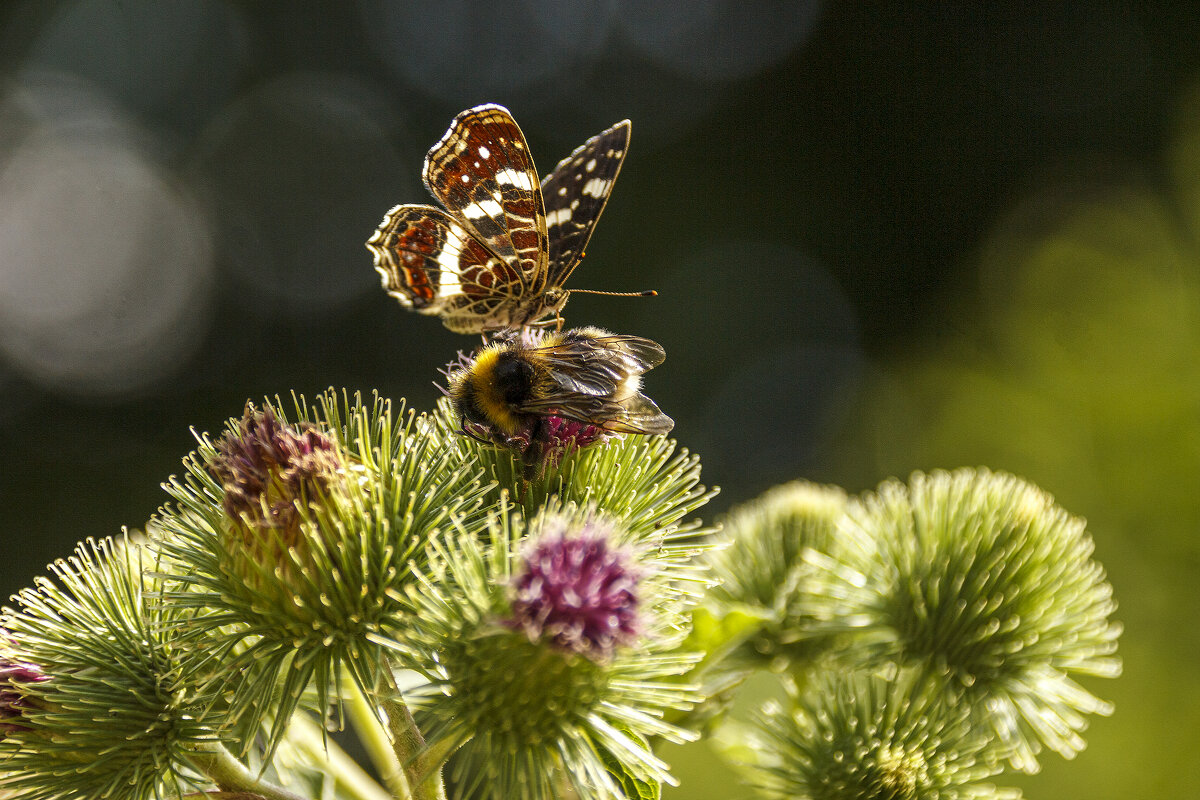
{"x": 577, "y": 589}
{"x": 266, "y": 468}
{"x": 865, "y": 737}
{"x": 98, "y": 697}
{"x": 292, "y": 538}
{"x": 547, "y": 656}
{"x": 980, "y": 580}
{"x": 564, "y": 435}
{"x": 763, "y": 575}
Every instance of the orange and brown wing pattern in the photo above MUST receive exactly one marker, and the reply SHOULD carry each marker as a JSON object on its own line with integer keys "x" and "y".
{"x": 482, "y": 172}
{"x": 431, "y": 264}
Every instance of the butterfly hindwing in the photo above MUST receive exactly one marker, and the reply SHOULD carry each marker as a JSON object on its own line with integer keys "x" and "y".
{"x": 431, "y": 264}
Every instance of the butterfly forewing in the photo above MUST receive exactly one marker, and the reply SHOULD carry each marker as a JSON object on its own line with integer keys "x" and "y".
{"x": 574, "y": 195}
{"x": 481, "y": 171}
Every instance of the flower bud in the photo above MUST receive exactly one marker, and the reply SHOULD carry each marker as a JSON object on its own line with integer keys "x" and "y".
{"x": 859, "y": 736}
{"x": 99, "y": 696}
{"x": 981, "y": 580}
{"x": 762, "y": 573}
{"x": 266, "y": 468}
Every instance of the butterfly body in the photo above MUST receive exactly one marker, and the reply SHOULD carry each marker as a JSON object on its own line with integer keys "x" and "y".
{"x": 498, "y": 252}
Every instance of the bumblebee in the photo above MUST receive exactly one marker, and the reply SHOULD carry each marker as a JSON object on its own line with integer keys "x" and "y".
{"x": 540, "y": 393}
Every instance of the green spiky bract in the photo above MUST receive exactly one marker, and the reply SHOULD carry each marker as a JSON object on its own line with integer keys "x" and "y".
{"x": 526, "y": 714}
{"x": 981, "y": 580}
{"x": 321, "y": 605}
{"x": 642, "y": 480}
{"x": 859, "y": 737}
{"x": 120, "y": 715}
{"x": 762, "y": 574}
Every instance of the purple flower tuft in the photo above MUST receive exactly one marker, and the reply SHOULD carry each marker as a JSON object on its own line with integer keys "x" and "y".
{"x": 13, "y": 700}
{"x": 564, "y": 434}
{"x": 266, "y": 466}
{"x": 578, "y": 592}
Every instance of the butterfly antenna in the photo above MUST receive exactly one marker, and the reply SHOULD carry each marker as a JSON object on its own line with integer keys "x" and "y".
{"x": 644, "y": 293}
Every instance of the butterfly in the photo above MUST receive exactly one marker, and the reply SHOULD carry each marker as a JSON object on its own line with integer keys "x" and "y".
{"x": 497, "y": 254}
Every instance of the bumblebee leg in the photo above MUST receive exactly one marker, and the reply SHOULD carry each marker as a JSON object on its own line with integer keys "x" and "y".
{"x": 534, "y": 455}
{"x": 462, "y": 431}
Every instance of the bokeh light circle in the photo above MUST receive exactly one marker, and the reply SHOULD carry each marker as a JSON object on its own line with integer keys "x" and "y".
{"x": 297, "y": 173}
{"x": 181, "y": 58}
{"x": 717, "y": 40}
{"x": 104, "y": 260}
{"x": 462, "y": 49}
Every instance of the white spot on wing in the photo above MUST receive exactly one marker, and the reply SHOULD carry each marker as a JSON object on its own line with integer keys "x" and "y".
{"x": 516, "y": 178}
{"x": 591, "y": 165}
{"x": 597, "y": 187}
{"x": 484, "y": 208}
{"x": 448, "y": 281}
{"x": 558, "y": 217}
{"x": 484, "y": 153}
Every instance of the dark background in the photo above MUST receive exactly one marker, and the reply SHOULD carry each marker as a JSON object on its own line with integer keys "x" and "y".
{"x": 884, "y": 239}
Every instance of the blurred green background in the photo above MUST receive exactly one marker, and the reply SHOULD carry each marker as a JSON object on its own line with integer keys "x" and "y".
{"x": 884, "y": 239}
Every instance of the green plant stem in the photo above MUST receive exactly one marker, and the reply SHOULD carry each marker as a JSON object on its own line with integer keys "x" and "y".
{"x": 231, "y": 775}
{"x": 423, "y": 772}
{"x": 304, "y": 734}
{"x": 375, "y": 740}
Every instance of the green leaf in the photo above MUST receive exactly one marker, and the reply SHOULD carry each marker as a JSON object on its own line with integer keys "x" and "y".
{"x": 634, "y": 786}
{"x": 713, "y": 633}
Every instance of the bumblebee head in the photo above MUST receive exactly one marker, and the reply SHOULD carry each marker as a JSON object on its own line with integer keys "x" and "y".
{"x": 492, "y": 387}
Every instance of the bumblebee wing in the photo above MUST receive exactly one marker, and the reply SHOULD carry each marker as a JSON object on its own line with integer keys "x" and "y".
{"x": 645, "y": 353}
{"x": 599, "y": 365}
{"x": 640, "y": 415}
{"x": 596, "y": 380}
{"x": 640, "y": 354}
{"x": 634, "y": 414}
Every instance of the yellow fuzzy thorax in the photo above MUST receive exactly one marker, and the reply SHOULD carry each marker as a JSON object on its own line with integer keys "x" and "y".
{"x": 482, "y": 376}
